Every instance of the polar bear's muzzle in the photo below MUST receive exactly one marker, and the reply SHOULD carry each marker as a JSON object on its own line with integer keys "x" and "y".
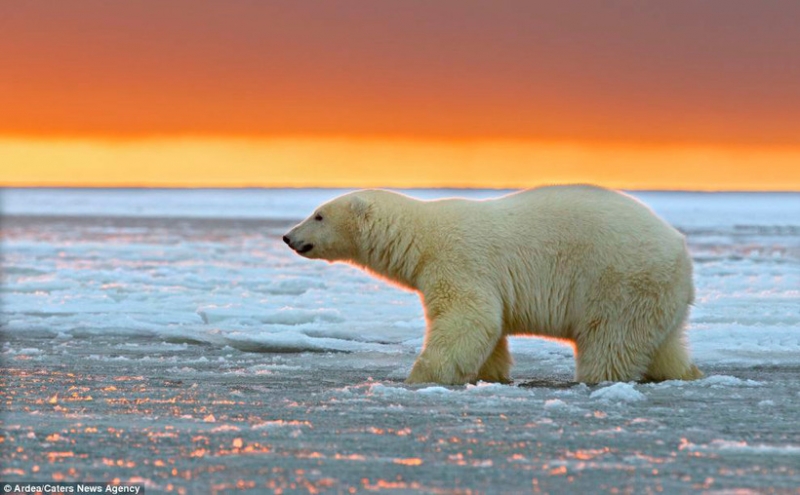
{"x": 305, "y": 248}
{"x": 299, "y": 247}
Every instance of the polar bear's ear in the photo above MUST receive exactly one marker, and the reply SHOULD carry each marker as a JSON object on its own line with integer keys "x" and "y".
{"x": 360, "y": 206}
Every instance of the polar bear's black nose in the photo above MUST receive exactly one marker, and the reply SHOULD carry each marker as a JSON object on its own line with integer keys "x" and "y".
{"x": 286, "y": 239}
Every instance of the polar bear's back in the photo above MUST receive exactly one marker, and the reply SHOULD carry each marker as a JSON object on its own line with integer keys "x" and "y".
{"x": 557, "y": 215}
{"x": 554, "y": 218}
{"x": 564, "y": 251}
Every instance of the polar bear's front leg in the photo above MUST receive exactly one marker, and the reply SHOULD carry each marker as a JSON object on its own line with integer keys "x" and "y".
{"x": 498, "y": 366}
{"x": 457, "y": 345}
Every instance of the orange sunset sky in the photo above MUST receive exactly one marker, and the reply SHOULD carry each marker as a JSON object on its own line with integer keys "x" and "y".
{"x": 640, "y": 95}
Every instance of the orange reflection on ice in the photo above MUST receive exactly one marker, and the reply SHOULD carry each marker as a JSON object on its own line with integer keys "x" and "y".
{"x": 118, "y": 463}
{"x": 250, "y": 448}
{"x": 53, "y": 456}
{"x": 389, "y": 485}
{"x": 201, "y": 452}
{"x": 310, "y": 455}
{"x": 411, "y": 461}
{"x": 587, "y": 454}
{"x": 238, "y": 485}
{"x": 281, "y": 422}
{"x": 350, "y": 457}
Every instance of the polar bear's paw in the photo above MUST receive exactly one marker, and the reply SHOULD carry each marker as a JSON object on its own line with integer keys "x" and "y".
{"x": 426, "y": 370}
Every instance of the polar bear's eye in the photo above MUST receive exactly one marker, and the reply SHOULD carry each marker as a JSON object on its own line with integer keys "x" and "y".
{"x": 318, "y": 218}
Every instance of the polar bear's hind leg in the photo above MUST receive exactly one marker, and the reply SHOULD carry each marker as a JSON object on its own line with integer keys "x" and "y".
{"x": 671, "y": 361}
{"x": 620, "y": 362}
{"x": 617, "y": 350}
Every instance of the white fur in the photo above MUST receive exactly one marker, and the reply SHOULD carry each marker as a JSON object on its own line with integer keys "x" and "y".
{"x": 579, "y": 263}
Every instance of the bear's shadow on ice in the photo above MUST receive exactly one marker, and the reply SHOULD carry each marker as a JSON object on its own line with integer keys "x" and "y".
{"x": 553, "y": 383}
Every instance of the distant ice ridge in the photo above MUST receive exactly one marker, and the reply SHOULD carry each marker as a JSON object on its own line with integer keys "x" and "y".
{"x": 228, "y": 283}
{"x": 278, "y": 204}
{"x": 684, "y": 209}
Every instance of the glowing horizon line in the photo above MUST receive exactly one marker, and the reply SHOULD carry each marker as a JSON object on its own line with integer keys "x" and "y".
{"x": 361, "y": 162}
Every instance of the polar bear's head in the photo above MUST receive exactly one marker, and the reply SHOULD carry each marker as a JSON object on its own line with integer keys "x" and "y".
{"x": 332, "y": 232}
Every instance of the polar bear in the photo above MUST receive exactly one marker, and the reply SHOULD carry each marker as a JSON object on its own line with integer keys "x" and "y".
{"x": 578, "y": 263}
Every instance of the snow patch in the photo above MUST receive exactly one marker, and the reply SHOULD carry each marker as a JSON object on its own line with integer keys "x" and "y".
{"x": 618, "y": 392}
{"x": 734, "y": 446}
{"x": 25, "y": 351}
{"x": 555, "y": 404}
{"x": 719, "y": 381}
{"x": 486, "y": 389}
{"x": 434, "y": 391}
{"x": 381, "y": 390}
